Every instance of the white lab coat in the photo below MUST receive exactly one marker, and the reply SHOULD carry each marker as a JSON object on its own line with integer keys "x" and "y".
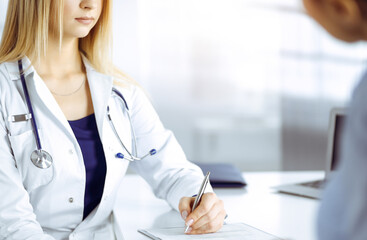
{"x": 48, "y": 203}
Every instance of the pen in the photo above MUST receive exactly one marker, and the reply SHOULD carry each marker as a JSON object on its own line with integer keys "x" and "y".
{"x": 200, "y": 194}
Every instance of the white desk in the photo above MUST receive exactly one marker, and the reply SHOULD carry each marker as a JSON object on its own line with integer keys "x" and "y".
{"x": 285, "y": 216}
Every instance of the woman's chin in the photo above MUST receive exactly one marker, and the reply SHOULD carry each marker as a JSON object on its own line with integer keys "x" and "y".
{"x": 78, "y": 34}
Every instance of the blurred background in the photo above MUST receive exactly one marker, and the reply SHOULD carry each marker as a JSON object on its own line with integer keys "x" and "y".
{"x": 249, "y": 82}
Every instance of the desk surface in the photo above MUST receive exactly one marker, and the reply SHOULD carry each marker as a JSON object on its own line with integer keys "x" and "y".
{"x": 285, "y": 216}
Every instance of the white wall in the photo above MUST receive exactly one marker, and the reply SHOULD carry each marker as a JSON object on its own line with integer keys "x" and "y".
{"x": 3, "y": 7}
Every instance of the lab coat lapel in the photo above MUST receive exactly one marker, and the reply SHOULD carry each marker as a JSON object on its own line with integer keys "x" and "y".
{"x": 39, "y": 88}
{"x": 100, "y": 87}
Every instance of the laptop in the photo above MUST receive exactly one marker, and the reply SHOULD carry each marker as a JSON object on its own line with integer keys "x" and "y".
{"x": 313, "y": 189}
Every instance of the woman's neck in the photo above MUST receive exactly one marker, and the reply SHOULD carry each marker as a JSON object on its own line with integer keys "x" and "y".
{"x": 60, "y": 63}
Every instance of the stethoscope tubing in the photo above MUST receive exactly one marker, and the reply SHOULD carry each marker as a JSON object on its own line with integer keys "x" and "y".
{"x": 128, "y": 115}
{"x": 122, "y": 97}
{"x": 115, "y": 132}
{"x": 29, "y": 105}
{"x": 135, "y": 149}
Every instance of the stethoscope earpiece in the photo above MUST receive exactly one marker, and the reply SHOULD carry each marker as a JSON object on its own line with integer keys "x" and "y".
{"x": 133, "y": 158}
{"x": 152, "y": 152}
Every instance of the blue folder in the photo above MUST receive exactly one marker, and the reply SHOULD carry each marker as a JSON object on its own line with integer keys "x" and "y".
{"x": 223, "y": 175}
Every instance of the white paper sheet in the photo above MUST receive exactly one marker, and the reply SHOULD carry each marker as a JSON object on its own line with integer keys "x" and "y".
{"x": 233, "y": 231}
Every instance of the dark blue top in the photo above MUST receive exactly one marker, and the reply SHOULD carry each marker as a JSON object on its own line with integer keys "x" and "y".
{"x": 86, "y": 132}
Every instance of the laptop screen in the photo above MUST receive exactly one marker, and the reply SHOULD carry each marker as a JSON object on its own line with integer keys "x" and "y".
{"x": 337, "y": 140}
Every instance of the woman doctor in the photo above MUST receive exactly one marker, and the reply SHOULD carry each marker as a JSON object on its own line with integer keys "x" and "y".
{"x": 71, "y": 123}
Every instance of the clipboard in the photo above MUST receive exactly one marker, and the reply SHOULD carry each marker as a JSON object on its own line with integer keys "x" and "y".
{"x": 232, "y": 231}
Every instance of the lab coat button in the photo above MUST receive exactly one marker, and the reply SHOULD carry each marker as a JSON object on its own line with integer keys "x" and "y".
{"x": 71, "y": 200}
{"x": 71, "y": 152}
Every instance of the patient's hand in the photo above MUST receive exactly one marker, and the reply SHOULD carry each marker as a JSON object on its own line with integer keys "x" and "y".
{"x": 207, "y": 217}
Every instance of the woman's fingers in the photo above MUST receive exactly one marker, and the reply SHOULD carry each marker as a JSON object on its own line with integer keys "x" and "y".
{"x": 211, "y": 226}
{"x": 206, "y": 203}
{"x": 185, "y": 206}
{"x": 207, "y": 217}
{"x": 210, "y": 216}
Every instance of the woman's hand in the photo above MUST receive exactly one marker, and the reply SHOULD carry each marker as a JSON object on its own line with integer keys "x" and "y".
{"x": 208, "y": 216}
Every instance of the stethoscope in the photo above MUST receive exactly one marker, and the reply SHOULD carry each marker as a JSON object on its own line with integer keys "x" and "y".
{"x": 42, "y": 159}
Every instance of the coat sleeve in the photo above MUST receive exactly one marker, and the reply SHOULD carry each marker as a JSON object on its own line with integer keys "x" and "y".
{"x": 168, "y": 172}
{"x": 343, "y": 210}
{"x": 17, "y": 219}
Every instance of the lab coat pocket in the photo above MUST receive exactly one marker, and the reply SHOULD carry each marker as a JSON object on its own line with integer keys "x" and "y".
{"x": 33, "y": 177}
{"x": 106, "y": 233}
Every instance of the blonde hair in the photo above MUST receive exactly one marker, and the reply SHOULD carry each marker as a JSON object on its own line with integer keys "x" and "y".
{"x": 27, "y": 27}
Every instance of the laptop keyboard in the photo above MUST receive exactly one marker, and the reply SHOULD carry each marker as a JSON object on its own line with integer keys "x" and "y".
{"x": 314, "y": 184}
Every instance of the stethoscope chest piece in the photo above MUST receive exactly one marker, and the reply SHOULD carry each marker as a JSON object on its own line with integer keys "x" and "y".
{"x": 41, "y": 159}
